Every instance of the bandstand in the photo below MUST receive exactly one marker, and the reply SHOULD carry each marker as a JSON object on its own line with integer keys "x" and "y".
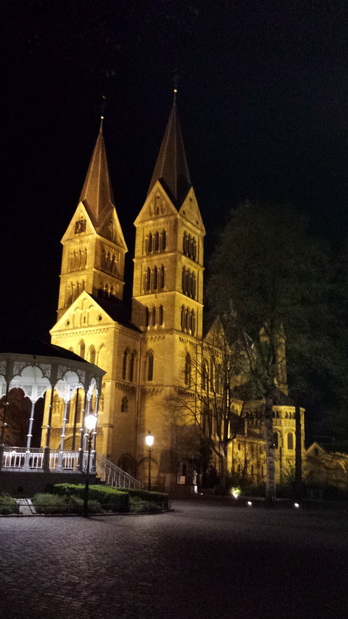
{"x": 51, "y": 370}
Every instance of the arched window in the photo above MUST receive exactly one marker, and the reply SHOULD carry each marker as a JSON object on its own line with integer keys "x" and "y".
{"x": 205, "y": 376}
{"x": 124, "y": 405}
{"x": 161, "y": 282}
{"x": 184, "y": 243}
{"x": 183, "y": 280}
{"x": 193, "y": 286}
{"x": 148, "y": 279}
{"x": 163, "y": 240}
{"x": 132, "y": 366}
{"x": 193, "y": 322}
{"x": 153, "y": 321}
{"x": 155, "y": 278}
{"x": 92, "y": 354}
{"x": 124, "y": 364}
{"x": 150, "y": 365}
{"x": 157, "y": 241}
{"x": 149, "y": 244}
{"x": 82, "y": 349}
{"x": 182, "y": 317}
{"x": 290, "y": 441}
{"x": 187, "y": 319}
{"x": 160, "y": 315}
{"x": 188, "y": 370}
{"x": 147, "y": 317}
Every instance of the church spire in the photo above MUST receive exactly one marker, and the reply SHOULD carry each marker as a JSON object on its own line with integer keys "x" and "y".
{"x": 96, "y": 194}
{"x": 171, "y": 167}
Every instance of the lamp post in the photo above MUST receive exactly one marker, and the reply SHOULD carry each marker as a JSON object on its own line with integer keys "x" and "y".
{"x": 90, "y": 423}
{"x": 149, "y": 439}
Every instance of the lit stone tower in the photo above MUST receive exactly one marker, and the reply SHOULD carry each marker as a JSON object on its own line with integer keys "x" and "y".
{"x": 167, "y": 291}
{"x": 93, "y": 245}
{"x": 91, "y": 319}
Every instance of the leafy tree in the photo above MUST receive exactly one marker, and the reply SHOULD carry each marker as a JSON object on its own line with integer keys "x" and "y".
{"x": 269, "y": 279}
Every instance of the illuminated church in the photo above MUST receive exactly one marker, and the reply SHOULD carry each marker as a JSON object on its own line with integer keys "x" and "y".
{"x": 147, "y": 353}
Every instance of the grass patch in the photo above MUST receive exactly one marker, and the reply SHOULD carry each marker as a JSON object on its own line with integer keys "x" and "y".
{"x": 8, "y": 505}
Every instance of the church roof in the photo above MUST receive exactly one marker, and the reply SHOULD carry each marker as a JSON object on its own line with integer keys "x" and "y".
{"x": 96, "y": 194}
{"x": 171, "y": 167}
{"x": 117, "y": 310}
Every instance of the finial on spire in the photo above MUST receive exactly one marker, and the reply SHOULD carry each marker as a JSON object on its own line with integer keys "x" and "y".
{"x": 102, "y": 112}
{"x": 175, "y": 84}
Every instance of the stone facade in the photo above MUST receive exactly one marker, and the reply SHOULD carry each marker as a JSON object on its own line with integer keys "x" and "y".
{"x": 144, "y": 354}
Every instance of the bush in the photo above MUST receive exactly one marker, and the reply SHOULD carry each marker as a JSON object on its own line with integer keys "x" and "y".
{"x": 8, "y": 505}
{"x": 46, "y": 503}
{"x": 139, "y": 506}
{"x": 109, "y": 498}
{"x": 161, "y": 498}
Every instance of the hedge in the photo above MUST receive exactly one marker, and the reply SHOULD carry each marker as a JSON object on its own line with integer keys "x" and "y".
{"x": 160, "y": 498}
{"x": 8, "y": 505}
{"x": 109, "y": 498}
{"x": 46, "y": 503}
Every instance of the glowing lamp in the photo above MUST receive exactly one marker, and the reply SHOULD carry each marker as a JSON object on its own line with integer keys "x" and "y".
{"x": 90, "y": 422}
{"x": 149, "y": 439}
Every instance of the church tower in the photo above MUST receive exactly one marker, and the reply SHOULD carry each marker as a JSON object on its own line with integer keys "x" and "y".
{"x": 93, "y": 245}
{"x": 167, "y": 291}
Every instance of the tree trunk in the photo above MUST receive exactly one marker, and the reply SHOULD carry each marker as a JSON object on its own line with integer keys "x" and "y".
{"x": 298, "y": 454}
{"x": 223, "y": 474}
{"x": 269, "y": 439}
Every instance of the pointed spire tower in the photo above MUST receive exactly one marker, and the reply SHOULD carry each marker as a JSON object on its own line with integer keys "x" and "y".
{"x": 171, "y": 168}
{"x": 168, "y": 271}
{"x": 93, "y": 245}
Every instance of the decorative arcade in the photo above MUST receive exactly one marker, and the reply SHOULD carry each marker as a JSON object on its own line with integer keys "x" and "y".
{"x": 71, "y": 378}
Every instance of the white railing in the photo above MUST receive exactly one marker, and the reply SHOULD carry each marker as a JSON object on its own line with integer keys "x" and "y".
{"x": 69, "y": 460}
{"x": 113, "y": 476}
{"x": 20, "y": 458}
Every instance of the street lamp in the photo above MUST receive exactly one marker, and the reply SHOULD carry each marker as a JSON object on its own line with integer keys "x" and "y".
{"x": 90, "y": 424}
{"x": 149, "y": 439}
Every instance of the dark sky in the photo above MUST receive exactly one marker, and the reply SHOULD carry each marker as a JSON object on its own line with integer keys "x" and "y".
{"x": 262, "y": 100}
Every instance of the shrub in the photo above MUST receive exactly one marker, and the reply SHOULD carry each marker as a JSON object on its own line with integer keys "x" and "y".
{"x": 8, "y": 505}
{"x": 139, "y": 506}
{"x": 161, "y": 498}
{"x": 109, "y": 498}
{"x": 46, "y": 503}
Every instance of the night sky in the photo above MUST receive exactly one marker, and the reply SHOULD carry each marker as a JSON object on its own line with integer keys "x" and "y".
{"x": 262, "y": 101}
